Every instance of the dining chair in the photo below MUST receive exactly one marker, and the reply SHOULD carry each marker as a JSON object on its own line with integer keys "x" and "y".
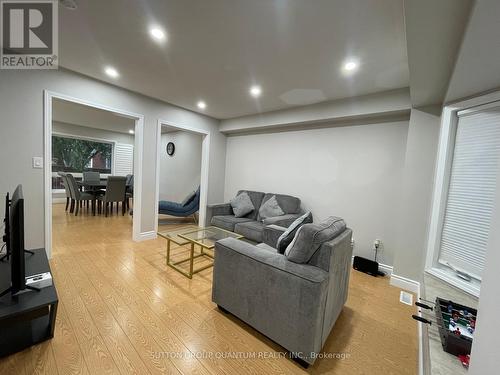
{"x": 91, "y": 177}
{"x": 79, "y": 196}
{"x": 129, "y": 192}
{"x": 115, "y": 192}
{"x": 66, "y": 188}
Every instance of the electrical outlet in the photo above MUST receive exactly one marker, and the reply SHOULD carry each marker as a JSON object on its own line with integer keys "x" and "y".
{"x": 376, "y": 244}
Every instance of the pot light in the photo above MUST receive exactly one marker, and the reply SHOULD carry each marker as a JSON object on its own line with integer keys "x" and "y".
{"x": 112, "y": 72}
{"x": 157, "y": 34}
{"x": 201, "y": 104}
{"x": 255, "y": 91}
{"x": 131, "y": 131}
{"x": 350, "y": 66}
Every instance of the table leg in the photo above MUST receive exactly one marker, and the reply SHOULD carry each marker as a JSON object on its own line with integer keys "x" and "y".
{"x": 191, "y": 259}
{"x": 168, "y": 251}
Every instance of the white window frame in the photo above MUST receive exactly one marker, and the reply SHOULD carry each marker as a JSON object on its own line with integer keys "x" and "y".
{"x": 85, "y": 138}
{"x": 449, "y": 121}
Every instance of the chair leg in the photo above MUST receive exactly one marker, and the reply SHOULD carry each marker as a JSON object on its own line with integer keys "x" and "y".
{"x": 67, "y": 203}
{"x": 124, "y": 205}
{"x": 106, "y": 205}
{"x": 78, "y": 205}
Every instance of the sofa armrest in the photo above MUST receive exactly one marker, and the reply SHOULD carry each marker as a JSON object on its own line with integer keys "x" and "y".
{"x": 283, "y": 300}
{"x": 217, "y": 210}
{"x": 282, "y": 221}
{"x": 271, "y": 233}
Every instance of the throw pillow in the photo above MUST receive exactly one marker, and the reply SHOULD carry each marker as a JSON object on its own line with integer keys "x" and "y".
{"x": 310, "y": 237}
{"x": 288, "y": 235}
{"x": 242, "y": 205}
{"x": 270, "y": 208}
{"x": 189, "y": 198}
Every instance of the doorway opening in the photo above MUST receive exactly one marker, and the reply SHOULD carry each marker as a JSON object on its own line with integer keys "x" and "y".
{"x": 92, "y": 171}
{"x": 181, "y": 174}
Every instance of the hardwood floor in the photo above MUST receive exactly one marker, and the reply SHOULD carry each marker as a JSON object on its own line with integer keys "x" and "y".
{"x": 122, "y": 311}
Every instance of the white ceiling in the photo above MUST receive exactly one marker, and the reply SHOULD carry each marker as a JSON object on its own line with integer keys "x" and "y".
{"x": 77, "y": 114}
{"x": 216, "y": 49}
{"x": 434, "y": 32}
{"x": 477, "y": 67}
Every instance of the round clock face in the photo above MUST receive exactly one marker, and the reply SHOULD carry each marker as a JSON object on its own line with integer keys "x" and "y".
{"x": 170, "y": 148}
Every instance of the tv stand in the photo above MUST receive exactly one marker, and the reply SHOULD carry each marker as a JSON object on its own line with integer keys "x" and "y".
{"x": 26, "y": 319}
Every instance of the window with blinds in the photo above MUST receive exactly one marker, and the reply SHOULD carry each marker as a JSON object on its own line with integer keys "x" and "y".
{"x": 124, "y": 159}
{"x": 472, "y": 185}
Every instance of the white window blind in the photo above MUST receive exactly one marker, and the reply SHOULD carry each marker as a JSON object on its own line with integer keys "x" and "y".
{"x": 124, "y": 159}
{"x": 472, "y": 185}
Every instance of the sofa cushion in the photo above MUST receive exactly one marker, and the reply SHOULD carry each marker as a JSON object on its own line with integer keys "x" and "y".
{"x": 265, "y": 246}
{"x": 310, "y": 237}
{"x": 270, "y": 208}
{"x": 287, "y": 237}
{"x": 227, "y": 222}
{"x": 289, "y": 204}
{"x": 242, "y": 205}
{"x": 256, "y": 198}
{"x": 251, "y": 230}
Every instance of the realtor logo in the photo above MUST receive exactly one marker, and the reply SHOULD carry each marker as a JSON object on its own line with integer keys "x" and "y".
{"x": 28, "y": 34}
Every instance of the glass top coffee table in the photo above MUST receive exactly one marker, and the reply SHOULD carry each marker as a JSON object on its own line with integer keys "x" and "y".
{"x": 204, "y": 238}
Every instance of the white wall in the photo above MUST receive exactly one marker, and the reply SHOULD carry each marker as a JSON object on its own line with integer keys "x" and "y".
{"x": 416, "y": 192}
{"x": 373, "y": 105}
{"x": 180, "y": 173}
{"x": 484, "y": 357}
{"x": 351, "y": 171}
{"x": 21, "y": 137}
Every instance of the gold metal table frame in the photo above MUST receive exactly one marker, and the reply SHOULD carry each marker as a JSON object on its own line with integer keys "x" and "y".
{"x": 182, "y": 237}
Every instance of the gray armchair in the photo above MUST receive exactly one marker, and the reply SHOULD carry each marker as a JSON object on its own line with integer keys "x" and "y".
{"x": 295, "y": 305}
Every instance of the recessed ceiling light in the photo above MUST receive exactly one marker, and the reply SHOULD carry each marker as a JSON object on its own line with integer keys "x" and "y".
{"x": 112, "y": 72}
{"x": 350, "y": 66}
{"x": 201, "y": 104}
{"x": 131, "y": 131}
{"x": 157, "y": 34}
{"x": 255, "y": 91}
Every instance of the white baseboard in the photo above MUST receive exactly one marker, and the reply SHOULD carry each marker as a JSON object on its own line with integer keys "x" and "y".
{"x": 58, "y": 200}
{"x": 404, "y": 283}
{"x": 144, "y": 236}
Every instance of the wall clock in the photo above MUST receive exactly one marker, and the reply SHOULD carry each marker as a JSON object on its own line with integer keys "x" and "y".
{"x": 170, "y": 148}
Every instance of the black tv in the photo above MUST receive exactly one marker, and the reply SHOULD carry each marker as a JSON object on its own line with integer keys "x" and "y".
{"x": 6, "y": 236}
{"x": 15, "y": 246}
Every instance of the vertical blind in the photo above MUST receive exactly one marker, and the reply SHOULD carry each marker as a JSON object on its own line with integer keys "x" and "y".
{"x": 471, "y": 193}
{"x": 124, "y": 159}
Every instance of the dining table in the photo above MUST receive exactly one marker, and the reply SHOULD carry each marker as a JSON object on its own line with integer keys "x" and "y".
{"x": 94, "y": 185}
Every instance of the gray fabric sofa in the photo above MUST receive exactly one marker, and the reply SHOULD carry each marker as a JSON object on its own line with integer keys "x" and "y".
{"x": 252, "y": 226}
{"x": 295, "y": 305}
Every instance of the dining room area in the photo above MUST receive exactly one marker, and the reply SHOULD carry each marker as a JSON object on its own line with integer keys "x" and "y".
{"x": 92, "y": 176}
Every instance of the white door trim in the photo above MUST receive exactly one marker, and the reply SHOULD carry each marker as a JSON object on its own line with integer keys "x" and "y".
{"x": 205, "y": 154}
{"x": 48, "y": 96}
